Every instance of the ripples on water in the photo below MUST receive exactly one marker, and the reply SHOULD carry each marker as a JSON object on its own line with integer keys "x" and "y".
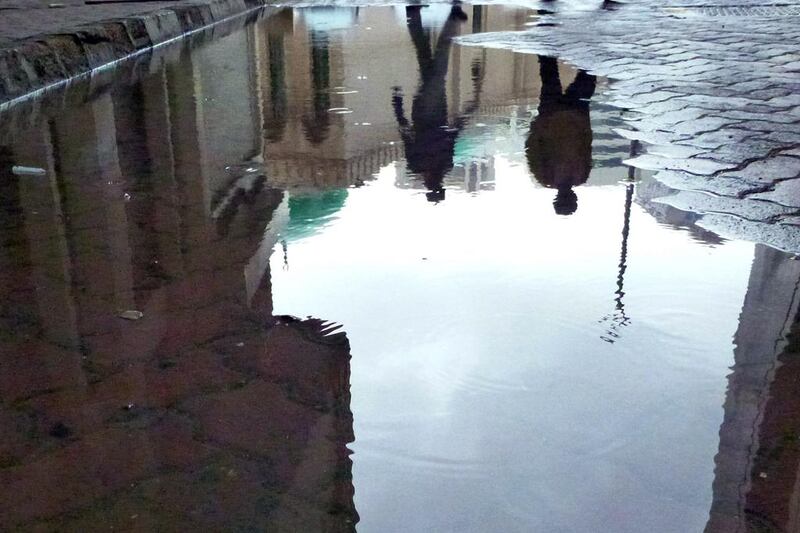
{"x": 516, "y": 334}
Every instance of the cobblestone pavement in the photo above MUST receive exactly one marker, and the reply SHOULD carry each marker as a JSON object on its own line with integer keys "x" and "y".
{"x": 711, "y": 91}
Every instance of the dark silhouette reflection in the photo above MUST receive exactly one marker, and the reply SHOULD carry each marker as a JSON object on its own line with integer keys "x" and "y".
{"x": 317, "y": 123}
{"x": 619, "y": 318}
{"x": 208, "y": 412}
{"x": 757, "y": 469}
{"x": 559, "y": 145}
{"x": 430, "y": 137}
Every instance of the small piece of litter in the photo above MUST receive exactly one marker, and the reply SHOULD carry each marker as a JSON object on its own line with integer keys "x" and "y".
{"x": 239, "y": 344}
{"x": 131, "y": 314}
{"x": 55, "y": 5}
{"x": 30, "y": 171}
{"x": 763, "y": 475}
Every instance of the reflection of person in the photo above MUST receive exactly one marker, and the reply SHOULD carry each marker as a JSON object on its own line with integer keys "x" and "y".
{"x": 430, "y": 138}
{"x": 559, "y": 145}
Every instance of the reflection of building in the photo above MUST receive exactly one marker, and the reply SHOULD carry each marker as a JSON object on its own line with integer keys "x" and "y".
{"x": 329, "y": 119}
{"x": 650, "y": 189}
{"x": 205, "y": 413}
{"x": 757, "y": 476}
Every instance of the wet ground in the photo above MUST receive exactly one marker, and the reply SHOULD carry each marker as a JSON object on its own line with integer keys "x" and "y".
{"x": 334, "y": 270}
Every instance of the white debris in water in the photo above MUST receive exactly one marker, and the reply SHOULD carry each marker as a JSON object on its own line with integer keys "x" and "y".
{"x": 27, "y": 171}
{"x": 131, "y": 314}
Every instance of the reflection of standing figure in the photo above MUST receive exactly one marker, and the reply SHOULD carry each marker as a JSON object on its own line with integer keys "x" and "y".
{"x": 559, "y": 145}
{"x": 430, "y": 138}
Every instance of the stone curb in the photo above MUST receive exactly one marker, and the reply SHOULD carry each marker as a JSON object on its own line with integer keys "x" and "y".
{"x": 44, "y": 62}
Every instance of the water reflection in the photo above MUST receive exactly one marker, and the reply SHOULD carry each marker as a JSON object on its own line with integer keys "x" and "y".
{"x": 218, "y": 193}
{"x": 559, "y": 146}
{"x": 207, "y": 412}
{"x": 430, "y": 138}
{"x": 757, "y": 467}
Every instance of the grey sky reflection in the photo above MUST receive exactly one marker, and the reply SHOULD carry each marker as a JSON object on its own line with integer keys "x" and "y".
{"x": 482, "y": 393}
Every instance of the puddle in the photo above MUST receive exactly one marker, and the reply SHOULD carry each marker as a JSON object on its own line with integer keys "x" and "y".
{"x": 380, "y": 281}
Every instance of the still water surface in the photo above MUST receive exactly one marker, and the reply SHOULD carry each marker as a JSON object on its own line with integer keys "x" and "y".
{"x": 510, "y": 333}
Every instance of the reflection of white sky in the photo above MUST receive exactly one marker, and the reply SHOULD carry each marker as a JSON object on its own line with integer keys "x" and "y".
{"x": 483, "y": 397}
{"x": 433, "y": 15}
{"x": 328, "y": 18}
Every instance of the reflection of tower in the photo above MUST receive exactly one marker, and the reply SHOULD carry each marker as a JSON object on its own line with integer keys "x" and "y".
{"x": 757, "y": 475}
{"x": 317, "y": 148}
{"x": 205, "y": 413}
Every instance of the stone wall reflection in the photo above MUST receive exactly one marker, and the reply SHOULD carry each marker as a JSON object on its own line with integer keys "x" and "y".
{"x": 757, "y": 476}
{"x": 206, "y": 413}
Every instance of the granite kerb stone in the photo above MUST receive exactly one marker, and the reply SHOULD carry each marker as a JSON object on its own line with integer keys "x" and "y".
{"x": 42, "y": 62}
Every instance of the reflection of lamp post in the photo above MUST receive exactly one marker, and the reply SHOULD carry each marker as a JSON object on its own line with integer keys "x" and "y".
{"x": 618, "y": 318}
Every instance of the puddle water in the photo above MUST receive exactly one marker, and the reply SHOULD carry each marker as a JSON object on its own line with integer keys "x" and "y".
{"x": 510, "y": 332}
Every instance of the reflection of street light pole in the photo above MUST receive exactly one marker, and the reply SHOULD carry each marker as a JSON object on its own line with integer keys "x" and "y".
{"x": 618, "y": 318}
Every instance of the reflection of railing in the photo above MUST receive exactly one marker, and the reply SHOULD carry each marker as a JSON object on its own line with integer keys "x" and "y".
{"x": 476, "y": 174}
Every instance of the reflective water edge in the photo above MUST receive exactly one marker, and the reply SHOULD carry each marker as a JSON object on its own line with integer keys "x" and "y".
{"x": 332, "y": 271}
